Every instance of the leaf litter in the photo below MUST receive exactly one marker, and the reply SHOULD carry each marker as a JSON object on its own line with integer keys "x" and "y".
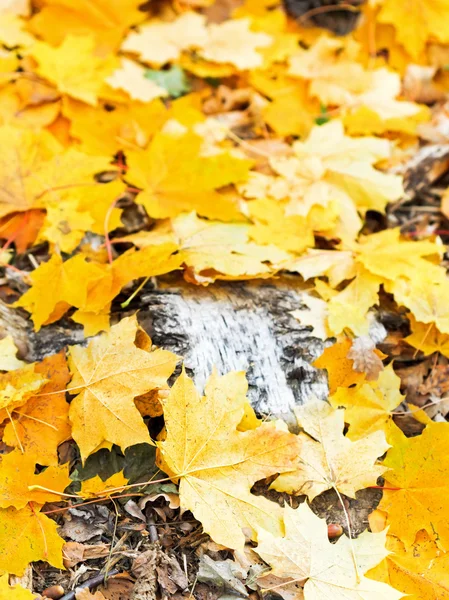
{"x": 223, "y": 141}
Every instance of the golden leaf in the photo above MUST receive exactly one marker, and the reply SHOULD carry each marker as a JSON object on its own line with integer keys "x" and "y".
{"x": 217, "y": 464}
{"x": 328, "y": 459}
{"x": 103, "y": 409}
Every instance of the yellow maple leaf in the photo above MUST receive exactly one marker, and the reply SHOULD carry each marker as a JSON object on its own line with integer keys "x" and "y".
{"x": 157, "y": 42}
{"x": 174, "y": 178}
{"x": 415, "y": 495}
{"x": 16, "y": 387}
{"x": 338, "y": 78}
{"x": 12, "y": 32}
{"x": 213, "y": 250}
{"x": 14, "y": 592}
{"x": 19, "y": 485}
{"x": 96, "y": 487}
{"x": 419, "y": 21}
{"x": 387, "y": 255}
{"x": 102, "y": 132}
{"x": 217, "y": 464}
{"x": 234, "y": 42}
{"x": 335, "y": 265}
{"x": 330, "y": 167}
{"x": 426, "y": 338}
{"x": 305, "y": 555}
{"x": 35, "y": 538}
{"x": 313, "y": 314}
{"x": 57, "y": 285}
{"x": 272, "y": 226}
{"x": 97, "y": 202}
{"x": 64, "y": 225}
{"x": 328, "y": 459}
{"x": 73, "y": 67}
{"x": 27, "y": 151}
{"x": 340, "y": 368}
{"x": 41, "y": 423}
{"x": 349, "y": 308}
{"x": 419, "y": 572}
{"x": 37, "y": 170}
{"x": 130, "y": 77}
{"x": 106, "y": 19}
{"x": 8, "y": 358}
{"x": 369, "y": 405}
{"x": 104, "y": 409}
{"x": 424, "y": 296}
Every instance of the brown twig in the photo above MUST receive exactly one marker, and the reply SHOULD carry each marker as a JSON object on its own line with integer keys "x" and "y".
{"x": 90, "y": 584}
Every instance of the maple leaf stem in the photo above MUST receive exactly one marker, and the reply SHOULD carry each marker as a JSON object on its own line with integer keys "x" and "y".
{"x": 15, "y": 431}
{"x": 106, "y": 229}
{"x": 30, "y": 504}
{"x": 426, "y": 335}
{"x": 31, "y": 488}
{"x": 348, "y": 523}
{"x": 35, "y": 419}
{"x": 134, "y": 294}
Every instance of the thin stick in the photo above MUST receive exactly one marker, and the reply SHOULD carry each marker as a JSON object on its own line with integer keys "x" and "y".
{"x": 15, "y": 431}
{"x": 90, "y": 584}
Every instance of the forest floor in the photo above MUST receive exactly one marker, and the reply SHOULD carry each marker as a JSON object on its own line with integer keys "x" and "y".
{"x": 224, "y": 329}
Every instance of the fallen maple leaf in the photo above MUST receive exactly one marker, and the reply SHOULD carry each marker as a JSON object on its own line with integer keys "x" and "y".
{"x": 419, "y": 21}
{"x": 419, "y": 572}
{"x": 16, "y": 387}
{"x": 233, "y": 42}
{"x": 174, "y": 178}
{"x": 271, "y": 226}
{"x": 96, "y": 487}
{"x": 12, "y": 31}
{"x": 13, "y": 592}
{"x": 42, "y": 423}
{"x": 328, "y": 459}
{"x": 314, "y": 315}
{"x": 326, "y": 570}
{"x": 415, "y": 495}
{"x": 157, "y": 42}
{"x": 35, "y": 538}
{"x": 427, "y": 339}
{"x": 369, "y": 405}
{"x": 19, "y": 485}
{"x": 103, "y": 409}
{"x": 106, "y": 19}
{"x": 37, "y": 170}
{"x": 339, "y": 367}
{"x": 64, "y": 225}
{"x": 73, "y": 67}
{"x": 217, "y": 465}
{"x": 57, "y": 285}
{"x": 130, "y": 77}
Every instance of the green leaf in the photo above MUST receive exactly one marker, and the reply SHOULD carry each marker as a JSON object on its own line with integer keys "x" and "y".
{"x": 324, "y": 119}
{"x": 174, "y": 80}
